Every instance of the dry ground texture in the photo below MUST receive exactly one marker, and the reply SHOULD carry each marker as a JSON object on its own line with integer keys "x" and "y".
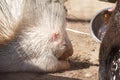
{"x": 85, "y": 59}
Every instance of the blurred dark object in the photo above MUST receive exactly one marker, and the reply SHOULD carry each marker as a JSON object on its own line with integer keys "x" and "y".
{"x": 98, "y": 25}
{"x": 105, "y": 17}
{"x": 112, "y": 1}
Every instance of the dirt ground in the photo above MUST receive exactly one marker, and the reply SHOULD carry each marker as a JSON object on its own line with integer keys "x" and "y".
{"x": 85, "y": 58}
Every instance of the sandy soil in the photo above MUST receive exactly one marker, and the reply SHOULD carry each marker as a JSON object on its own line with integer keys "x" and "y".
{"x": 85, "y": 58}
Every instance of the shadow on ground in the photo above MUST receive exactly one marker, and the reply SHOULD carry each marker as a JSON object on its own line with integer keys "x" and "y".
{"x": 77, "y": 20}
{"x": 81, "y": 65}
{"x": 39, "y": 76}
{"x": 112, "y": 1}
{"x": 31, "y": 76}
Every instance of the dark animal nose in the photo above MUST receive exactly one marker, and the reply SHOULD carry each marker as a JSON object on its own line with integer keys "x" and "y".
{"x": 67, "y": 53}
